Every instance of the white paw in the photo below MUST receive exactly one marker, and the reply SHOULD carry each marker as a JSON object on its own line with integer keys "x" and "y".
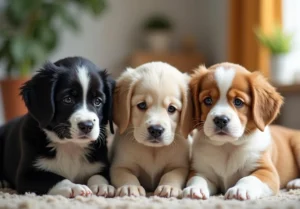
{"x": 195, "y": 192}
{"x": 168, "y": 191}
{"x": 130, "y": 190}
{"x": 103, "y": 190}
{"x": 242, "y": 192}
{"x": 294, "y": 184}
{"x": 68, "y": 189}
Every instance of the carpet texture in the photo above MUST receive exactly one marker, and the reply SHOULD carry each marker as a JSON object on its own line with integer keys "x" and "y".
{"x": 8, "y": 200}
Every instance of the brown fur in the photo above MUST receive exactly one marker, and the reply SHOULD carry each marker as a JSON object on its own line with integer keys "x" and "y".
{"x": 266, "y": 101}
{"x": 280, "y": 163}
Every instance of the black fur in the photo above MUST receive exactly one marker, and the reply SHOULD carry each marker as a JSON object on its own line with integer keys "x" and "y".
{"x": 23, "y": 141}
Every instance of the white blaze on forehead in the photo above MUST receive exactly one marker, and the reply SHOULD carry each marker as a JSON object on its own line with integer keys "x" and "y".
{"x": 224, "y": 78}
{"x": 84, "y": 80}
{"x": 83, "y": 113}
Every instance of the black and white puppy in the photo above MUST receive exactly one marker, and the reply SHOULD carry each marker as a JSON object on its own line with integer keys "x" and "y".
{"x": 59, "y": 147}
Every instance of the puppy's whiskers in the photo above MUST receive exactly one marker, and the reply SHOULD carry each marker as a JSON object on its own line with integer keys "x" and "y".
{"x": 102, "y": 136}
{"x": 199, "y": 124}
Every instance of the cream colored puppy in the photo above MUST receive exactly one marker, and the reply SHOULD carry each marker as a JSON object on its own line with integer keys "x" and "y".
{"x": 150, "y": 152}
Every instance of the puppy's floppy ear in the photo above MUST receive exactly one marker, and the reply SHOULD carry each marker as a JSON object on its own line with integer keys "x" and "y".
{"x": 122, "y": 98}
{"x": 187, "y": 123}
{"x": 195, "y": 89}
{"x": 109, "y": 87}
{"x": 38, "y": 94}
{"x": 266, "y": 101}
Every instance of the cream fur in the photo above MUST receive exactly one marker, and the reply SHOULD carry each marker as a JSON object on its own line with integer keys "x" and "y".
{"x": 137, "y": 163}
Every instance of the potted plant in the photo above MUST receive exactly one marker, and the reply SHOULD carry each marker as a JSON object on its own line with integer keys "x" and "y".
{"x": 279, "y": 44}
{"x": 158, "y": 33}
{"x": 29, "y": 32}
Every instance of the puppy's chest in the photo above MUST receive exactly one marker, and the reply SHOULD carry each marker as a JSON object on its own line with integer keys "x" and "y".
{"x": 224, "y": 165}
{"x": 152, "y": 165}
{"x": 71, "y": 163}
{"x": 153, "y": 162}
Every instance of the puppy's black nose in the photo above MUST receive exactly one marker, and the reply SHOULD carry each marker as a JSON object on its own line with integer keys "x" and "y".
{"x": 86, "y": 126}
{"x": 156, "y": 130}
{"x": 221, "y": 121}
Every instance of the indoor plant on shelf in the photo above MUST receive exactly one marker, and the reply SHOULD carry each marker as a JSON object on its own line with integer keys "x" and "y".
{"x": 158, "y": 30}
{"x": 279, "y": 44}
{"x": 29, "y": 32}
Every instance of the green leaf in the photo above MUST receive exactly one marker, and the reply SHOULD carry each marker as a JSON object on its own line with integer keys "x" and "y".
{"x": 278, "y": 42}
{"x": 19, "y": 10}
{"x": 97, "y": 6}
{"x": 94, "y": 6}
{"x": 66, "y": 17}
{"x": 30, "y": 30}
{"x": 4, "y": 51}
{"x": 47, "y": 36}
{"x": 18, "y": 48}
{"x": 36, "y": 52}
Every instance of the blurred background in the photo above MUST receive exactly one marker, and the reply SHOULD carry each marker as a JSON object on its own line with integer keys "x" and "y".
{"x": 262, "y": 35}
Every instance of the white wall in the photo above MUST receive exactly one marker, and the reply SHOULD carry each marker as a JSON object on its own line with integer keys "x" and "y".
{"x": 213, "y": 29}
{"x": 110, "y": 39}
{"x": 291, "y": 23}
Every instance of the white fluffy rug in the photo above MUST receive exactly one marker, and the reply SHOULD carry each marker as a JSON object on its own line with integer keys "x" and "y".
{"x": 288, "y": 200}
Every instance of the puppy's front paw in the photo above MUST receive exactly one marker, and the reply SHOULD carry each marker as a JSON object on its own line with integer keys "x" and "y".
{"x": 294, "y": 184}
{"x": 242, "y": 192}
{"x": 195, "y": 192}
{"x": 168, "y": 191}
{"x": 68, "y": 189}
{"x": 103, "y": 190}
{"x": 131, "y": 190}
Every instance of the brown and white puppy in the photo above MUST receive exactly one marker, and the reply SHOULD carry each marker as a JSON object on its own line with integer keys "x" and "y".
{"x": 151, "y": 152}
{"x": 235, "y": 151}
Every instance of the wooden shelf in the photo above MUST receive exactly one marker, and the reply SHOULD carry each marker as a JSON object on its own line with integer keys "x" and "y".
{"x": 184, "y": 61}
{"x": 294, "y": 88}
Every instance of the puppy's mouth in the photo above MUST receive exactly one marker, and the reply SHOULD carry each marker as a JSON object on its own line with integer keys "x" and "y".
{"x": 83, "y": 137}
{"x": 222, "y": 133}
{"x": 155, "y": 141}
{"x": 86, "y": 137}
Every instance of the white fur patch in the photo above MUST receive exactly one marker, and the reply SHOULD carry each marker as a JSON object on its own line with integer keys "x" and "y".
{"x": 84, "y": 80}
{"x": 224, "y": 78}
{"x": 294, "y": 184}
{"x": 225, "y": 164}
{"x": 68, "y": 189}
{"x": 83, "y": 114}
{"x": 100, "y": 187}
{"x": 199, "y": 187}
{"x": 69, "y": 162}
{"x": 248, "y": 188}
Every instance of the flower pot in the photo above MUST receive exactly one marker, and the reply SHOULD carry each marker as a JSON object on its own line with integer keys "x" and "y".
{"x": 13, "y": 104}
{"x": 158, "y": 40}
{"x": 280, "y": 72}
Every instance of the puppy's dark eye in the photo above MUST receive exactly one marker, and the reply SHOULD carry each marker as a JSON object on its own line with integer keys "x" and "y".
{"x": 171, "y": 109}
{"x": 142, "y": 106}
{"x": 208, "y": 101}
{"x": 238, "y": 103}
{"x": 68, "y": 100}
{"x": 97, "y": 101}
